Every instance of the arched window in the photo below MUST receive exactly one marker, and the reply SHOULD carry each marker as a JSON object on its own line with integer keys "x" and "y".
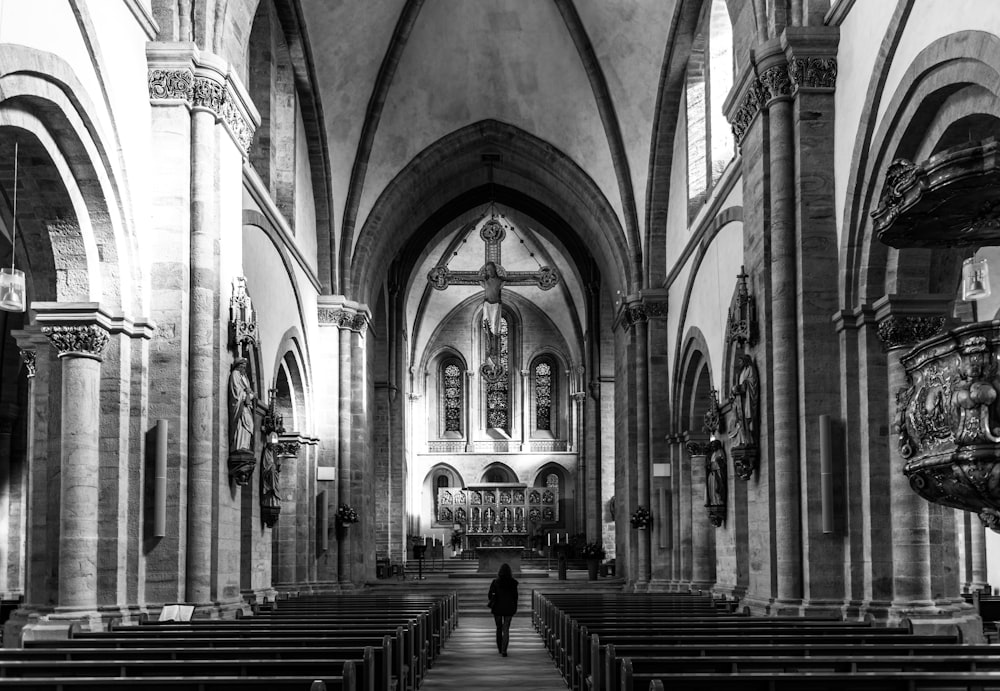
{"x": 498, "y": 392}
{"x": 544, "y": 394}
{"x": 452, "y": 398}
{"x": 710, "y": 143}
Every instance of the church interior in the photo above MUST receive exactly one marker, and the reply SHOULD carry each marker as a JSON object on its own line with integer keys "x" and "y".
{"x": 689, "y": 297}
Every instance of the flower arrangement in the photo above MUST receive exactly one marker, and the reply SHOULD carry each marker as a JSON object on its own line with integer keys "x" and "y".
{"x": 346, "y": 515}
{"x": 593, "y": 550}
{"x": 642, "y": 518}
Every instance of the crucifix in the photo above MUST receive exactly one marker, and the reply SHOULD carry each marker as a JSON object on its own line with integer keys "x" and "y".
{"x": 492, "y": 277}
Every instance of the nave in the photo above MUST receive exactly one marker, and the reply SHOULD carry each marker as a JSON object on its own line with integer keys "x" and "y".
{"x": 471, "y": 659}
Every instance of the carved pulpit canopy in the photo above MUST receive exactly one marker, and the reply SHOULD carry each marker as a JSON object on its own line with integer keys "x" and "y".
{"x": 950, "y": 200}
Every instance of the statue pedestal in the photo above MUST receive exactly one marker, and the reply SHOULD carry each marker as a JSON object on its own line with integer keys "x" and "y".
{"x": 490, "y": 559}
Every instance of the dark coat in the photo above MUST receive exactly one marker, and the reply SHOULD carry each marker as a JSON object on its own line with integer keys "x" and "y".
{"x": 503, "y": 597}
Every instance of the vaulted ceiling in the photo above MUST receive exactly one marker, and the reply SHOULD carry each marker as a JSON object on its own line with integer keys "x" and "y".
{"x": 396, "y": 76}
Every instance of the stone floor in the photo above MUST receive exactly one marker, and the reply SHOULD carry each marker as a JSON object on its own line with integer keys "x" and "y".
{"x": 470, "y": 659}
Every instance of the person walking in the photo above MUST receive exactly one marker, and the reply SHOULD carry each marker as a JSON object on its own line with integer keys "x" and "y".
{"x": 503, "y": 604}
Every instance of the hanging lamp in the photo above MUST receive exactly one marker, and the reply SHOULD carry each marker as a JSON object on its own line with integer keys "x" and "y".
{"x": 975, "y": 279}
{"x": 12, "y": 280}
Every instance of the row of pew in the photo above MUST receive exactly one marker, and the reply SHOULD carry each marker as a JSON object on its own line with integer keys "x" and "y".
{"x": 356, "y": 642}
{"x": 635, "y": 642}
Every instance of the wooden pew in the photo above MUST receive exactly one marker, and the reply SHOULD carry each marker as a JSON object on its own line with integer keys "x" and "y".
{"x": 180, "y": 683}
{"x": 823, "y": 681}
{"x": 605, "y": 655}
{"x": 637, "y": 673}
{"x": 389, "y": 664}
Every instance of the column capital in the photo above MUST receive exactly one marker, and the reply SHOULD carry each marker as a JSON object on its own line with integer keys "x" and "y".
{"x": 811, "y": 52}
{"x": 78, "y": 341}
{"x": 904, "y": 320}
{"x": 84, "y": 313}
{"x": 336, "y": 310}
{"x": 181, "y": 74}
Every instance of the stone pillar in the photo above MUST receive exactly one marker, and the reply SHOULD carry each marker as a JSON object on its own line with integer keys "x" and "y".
{"x": 977, "y": 547}
{"x": 79, "y": 349}
{"x": 686, "y": 518}
{"x": 901, "y": 326}
{"x": 327, "y": 370}
{"x": 702, "y": 531}
{"x": 344, "y": 458}
{"x": 204, "y": 351}
{"x": 784, "y": 324}
{"x": 642, "y": 470}
{"x": 525, "y": 445}
{"x": 362, "y": 492}
{"x": 8, "y": 417}
{"x": 470, "y": 444}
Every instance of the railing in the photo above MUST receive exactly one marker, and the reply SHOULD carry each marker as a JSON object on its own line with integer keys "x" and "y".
{"x": 498, "y": 446}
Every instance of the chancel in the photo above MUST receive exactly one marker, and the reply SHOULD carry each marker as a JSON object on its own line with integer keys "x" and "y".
{"x": 313, "y": 315}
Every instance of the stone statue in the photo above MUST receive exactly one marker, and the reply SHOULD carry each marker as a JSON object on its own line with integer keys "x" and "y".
{"x": 241, "y": 398}
{"x": 715, "y": 483}
{"x": 269, "y": 488}
{"x": 745, "y": 395}
{"x": 715, "y": 475}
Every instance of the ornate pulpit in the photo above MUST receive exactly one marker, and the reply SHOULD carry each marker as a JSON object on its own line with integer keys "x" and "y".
{"x": 948, "y": 418}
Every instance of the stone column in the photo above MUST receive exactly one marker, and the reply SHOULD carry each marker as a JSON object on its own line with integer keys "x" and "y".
{"x": 204, "y": 349}
{"x": 79, "y": 348}
{"x": 977, "y": 547}
{"x": 470, "y": 444}
{"x": 343, "y": 534}
{"x": 911, "y": 553}
{"x": 702, "y": 532}
{"x": 525, "y": 408}
{"x": 8, "y": 416}
{"x": 685, "y": 523}
{"x": 637, "y": 318}
{"x": 676, "y": 451}
{"x": 784, "y": 324}
{"x": 362, "y": 541}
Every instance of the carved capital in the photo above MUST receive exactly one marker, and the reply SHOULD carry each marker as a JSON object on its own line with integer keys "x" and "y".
{"x": 697, "y": 448}
{"x": 202, "y": 92}
{"x": 899, "y": 331}
{"x": 87, "y": 341}
{"x": 286, "y": 449}
{"x": 170, "y": 84}
{"x": 28, "y": 359}
{"x": 343, "y": 319}
{"x": 753, "y": 99}
{"x": 775, "y": 83}
{"x": 207, "y": 93}
{"x": 813, "y": 72}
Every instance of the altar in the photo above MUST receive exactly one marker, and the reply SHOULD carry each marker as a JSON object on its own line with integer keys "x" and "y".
{"x": 490, "y": 559}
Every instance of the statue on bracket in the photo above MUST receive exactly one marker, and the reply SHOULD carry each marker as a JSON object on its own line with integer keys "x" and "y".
{"x": 715, "y": 483}
{"x": 744, "y": 400}
{"x": 241, "y": 423}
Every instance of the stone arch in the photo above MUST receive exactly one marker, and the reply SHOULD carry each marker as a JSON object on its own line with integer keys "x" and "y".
{"x": 693, "y": 383}
{"x": 920, "y": 107}
{"x": 449, "y": 177}
{"x": 733, "y": 214}
{"x": 429, "y": 505}
{"x": 89, "y": 239}
{"x": 499, "y": 468}
{"x": 290, "y": 381}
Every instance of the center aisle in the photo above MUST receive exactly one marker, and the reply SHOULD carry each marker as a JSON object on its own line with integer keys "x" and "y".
{"x": 470, "y": 659}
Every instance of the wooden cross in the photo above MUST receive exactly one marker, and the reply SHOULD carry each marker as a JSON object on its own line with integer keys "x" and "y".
{"x": 492, "y": 233}
{"x": 440, "y": 277}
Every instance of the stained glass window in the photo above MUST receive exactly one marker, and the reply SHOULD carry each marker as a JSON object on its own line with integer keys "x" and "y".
{"x": 452, "y": 398}
{"x": 498, "y": 392}
{"x": 543, "y": 395}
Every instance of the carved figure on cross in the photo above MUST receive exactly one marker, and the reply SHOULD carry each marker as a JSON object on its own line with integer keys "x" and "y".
{"x": 492, "y": 277}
